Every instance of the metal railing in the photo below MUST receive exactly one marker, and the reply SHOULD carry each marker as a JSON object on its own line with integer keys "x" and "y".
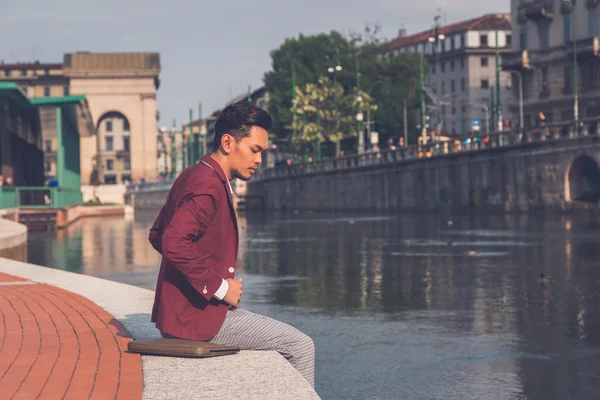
{"x": 461, "y": 144}
{"x": 39, "y": 197}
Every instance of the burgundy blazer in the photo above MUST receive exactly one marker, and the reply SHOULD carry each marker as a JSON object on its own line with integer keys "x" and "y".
{"x": 196, "y": 233}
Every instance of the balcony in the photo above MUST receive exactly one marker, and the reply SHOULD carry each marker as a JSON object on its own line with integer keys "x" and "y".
{"x": 589, "y": 47}
{"x": 123, "y": 154}
{"x": 516, "y": 60}
{"x": 566, "y": 7}
{"x": 538, "y": 10}
{"x": 592, "y": 3}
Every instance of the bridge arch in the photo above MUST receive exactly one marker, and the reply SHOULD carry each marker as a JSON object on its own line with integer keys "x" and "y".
{"x": 582, "y": 181}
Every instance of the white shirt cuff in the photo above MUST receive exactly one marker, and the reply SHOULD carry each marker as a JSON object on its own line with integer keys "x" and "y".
{"x": 222, "y": 290}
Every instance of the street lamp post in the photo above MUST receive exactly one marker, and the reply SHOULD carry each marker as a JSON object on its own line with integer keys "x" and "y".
{"x": 173, "y": 152}
{"x": 437, "y": 39}
{"x": 334, "y": 71}
{"x": 575, "y": 83}
{"x": 359, "y": 132}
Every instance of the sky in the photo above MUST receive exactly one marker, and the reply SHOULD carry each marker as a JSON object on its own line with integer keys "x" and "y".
{"x": 210, "y": 50}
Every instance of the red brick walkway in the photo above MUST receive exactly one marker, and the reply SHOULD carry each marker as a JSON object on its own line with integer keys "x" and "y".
{"x": 55, "y": 344}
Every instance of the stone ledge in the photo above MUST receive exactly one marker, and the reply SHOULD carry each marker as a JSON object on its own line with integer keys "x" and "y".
{"x": 12, "y": 234}
{"x": 250, "y": 374}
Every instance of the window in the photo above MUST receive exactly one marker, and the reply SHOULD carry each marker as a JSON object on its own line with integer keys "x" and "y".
{"x": 66, "y": 90}
{"x": 484, "y": 61}
{"x": 109, "y": 143}
{"x": 485, "y": 84}
{"x": 126, "y": 178}
{"x": 47, "y": 71}
{"x": 23, "y": 72}
{"x": 48, "y": 145}
{"x": 523, "y": 39}
{"x": 568, "y": 77}
{"x": 567, "y": 28}
{"x": 108, "y": 126}
{"x": 592, "y": 24}
{"x": 462, "y": 41}
{"x": 126, "y": 143}
{"x": 110, "y": 179}
{"x": 544, "y": 85}
{"x": 126, "y": 125}
{"x": 46, "y": 91}
{"x": 463, "y": 84}
{"x": 109, "y": 165}
{"x": 452, "y": 65}
{"x": 126, "y": 164}
{"x": 483, "y": 40}
{"x": 443, "y": 67}
{"x": 462, "y": 63}
{"x": 543, "y": 32}
{"x": 508, "y": 39}
{"x": 452, "y": 87}
{"x": 7, "y": 72}
{"x": 464, "y": 108}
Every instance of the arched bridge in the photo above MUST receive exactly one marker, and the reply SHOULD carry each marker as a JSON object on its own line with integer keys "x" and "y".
{"x": 554, "y": 167}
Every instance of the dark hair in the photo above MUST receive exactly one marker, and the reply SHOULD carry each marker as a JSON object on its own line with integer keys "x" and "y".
{"x": 237, "y": 119}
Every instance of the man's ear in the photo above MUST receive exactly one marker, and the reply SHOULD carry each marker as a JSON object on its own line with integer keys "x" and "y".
{"x": 227, "y": 143}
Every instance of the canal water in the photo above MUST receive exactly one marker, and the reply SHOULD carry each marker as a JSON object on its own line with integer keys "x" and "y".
{"x": 414, "y": 306}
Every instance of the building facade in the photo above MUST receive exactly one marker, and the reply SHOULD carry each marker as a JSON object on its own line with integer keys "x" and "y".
{"x": 547, "y": 35}
{"x": 121, "y": 93}
{"x": 21, "y": 155}
{"x": 461, "y": 81}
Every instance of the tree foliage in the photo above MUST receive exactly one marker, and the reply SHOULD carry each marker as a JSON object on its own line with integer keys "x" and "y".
{"x": 316, "y": 111}
{"x": 390, "y": 80}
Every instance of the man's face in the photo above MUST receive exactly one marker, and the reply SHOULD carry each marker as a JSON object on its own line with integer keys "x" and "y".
{"x": 246, "y": 155}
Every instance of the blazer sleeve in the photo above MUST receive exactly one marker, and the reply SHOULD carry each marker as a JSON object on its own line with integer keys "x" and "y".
{"x": 156, "y": 232}
{"x": 179, "y": 247}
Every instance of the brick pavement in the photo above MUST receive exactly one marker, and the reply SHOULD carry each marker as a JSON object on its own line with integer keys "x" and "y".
{"x": 55, "y": 344}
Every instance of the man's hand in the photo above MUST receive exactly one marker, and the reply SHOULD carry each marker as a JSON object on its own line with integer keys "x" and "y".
{"x": 234, "y": 292}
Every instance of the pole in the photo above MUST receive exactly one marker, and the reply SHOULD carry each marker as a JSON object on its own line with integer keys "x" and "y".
{"x": 422, "y": 97}
{"x": 518, "y": 73}
{"x": 191, "y": 155}
{"x": 493, "y": 107}
{"x": 249, "y": 94}
{"x": 201, "y": 137}
{"x": 359, "y": 132}
{"x": 338, "y": 144}
{"x": 184, "y": 158}
{"x": 438, "y": 71}
{"x": 294, "y": 98}
{"x": 405, "y": 125}
{"x": 173, "y": 151}
{"x": 575, "y": 82}
{"x": 498, "y": 100}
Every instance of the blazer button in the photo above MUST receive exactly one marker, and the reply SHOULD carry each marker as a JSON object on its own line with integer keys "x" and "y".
{"x": 231, "y": 269}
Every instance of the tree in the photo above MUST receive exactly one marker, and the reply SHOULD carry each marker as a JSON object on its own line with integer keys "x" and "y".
{"x": 389, "y": 79}
{"x": 315, "y": 120}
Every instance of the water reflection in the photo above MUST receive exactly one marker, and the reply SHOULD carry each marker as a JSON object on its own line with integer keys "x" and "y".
{"x": 402, "y": 306}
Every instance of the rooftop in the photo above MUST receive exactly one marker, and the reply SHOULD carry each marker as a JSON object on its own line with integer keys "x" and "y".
{"x": 487, "y": 22}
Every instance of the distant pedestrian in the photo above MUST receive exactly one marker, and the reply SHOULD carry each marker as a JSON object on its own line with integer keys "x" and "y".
{"x": 391, "y": 145}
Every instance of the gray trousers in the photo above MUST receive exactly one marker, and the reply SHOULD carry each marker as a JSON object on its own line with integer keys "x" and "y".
{"x": 250, "y": 331}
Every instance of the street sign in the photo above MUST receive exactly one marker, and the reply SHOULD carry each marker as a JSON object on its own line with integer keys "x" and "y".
{"x": 475, "y": 125}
